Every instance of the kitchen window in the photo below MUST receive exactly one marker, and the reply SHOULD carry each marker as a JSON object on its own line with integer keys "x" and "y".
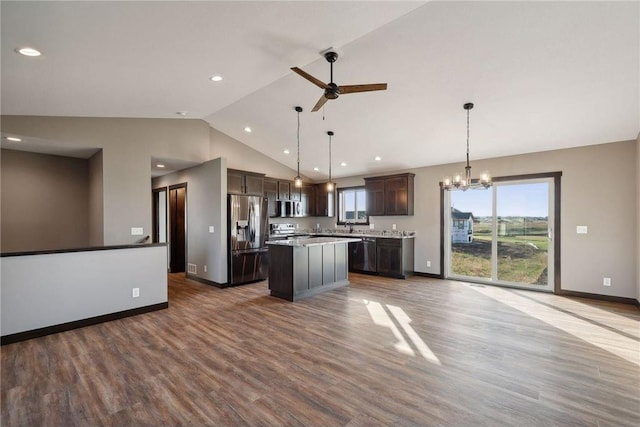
{"x": 352, "y": 206}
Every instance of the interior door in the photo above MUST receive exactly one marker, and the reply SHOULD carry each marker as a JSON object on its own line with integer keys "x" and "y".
{"x": 177, "y": 228}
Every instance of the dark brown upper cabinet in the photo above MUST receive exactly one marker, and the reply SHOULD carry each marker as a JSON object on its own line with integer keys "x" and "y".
{"x": 390, "y": 195}
{"x": 271, "y": 193}
{"x": 242, "y": 182}
{"x": 284, "y": 190}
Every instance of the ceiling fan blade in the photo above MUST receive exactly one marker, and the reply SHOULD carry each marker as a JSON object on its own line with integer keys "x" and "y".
{"x": 362, "y": 88}
{"x": 309, "y": 77}
{"x": 320, "y": 103}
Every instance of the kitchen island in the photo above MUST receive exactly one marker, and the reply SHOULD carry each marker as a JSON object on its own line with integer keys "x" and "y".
{"x": 300, "y": 268}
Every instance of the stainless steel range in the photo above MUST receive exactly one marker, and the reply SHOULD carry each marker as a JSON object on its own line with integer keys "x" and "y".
{"x": 281, "y": 231}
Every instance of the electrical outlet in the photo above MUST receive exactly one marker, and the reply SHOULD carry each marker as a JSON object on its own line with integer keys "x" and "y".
{"x": 135, "y": 292}
{"x": 137, "y": 231}
{"x": 371, "y": 227}
{"x": 205, "y": 268}
{"x": 212, "y": 229}
{"x": 428, "y": 264}
{"x": 393, "y": 226}
{"x": 606, "y": 281}
{"x": 582, "y": 229}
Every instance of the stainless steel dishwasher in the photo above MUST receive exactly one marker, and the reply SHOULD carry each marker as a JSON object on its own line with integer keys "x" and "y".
{"x": 362, "y": 255}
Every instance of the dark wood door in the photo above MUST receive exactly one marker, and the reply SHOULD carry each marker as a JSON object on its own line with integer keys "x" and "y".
{"x": 235, "y": 182}
{"x": 389, "y": 257}
{"x": 396, "y": 196}
{"x": 271, "y": 193}
{"x": 177, "y": 228}
{"x": 307, "y": 200}
{"x": 284, "y": 190}
{"x": 254, "y": 185}
{"x": 375, "y": 196}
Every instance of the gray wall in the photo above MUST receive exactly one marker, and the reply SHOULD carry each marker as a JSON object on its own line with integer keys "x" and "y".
{"x": 96, "y": 197}
{"x": 206, "y": 206}
{"x": 596, "y": 191}
{"x": 45, "y": 201}
{"x": 638, "y": 215}
{"x": 46, "y": 290}
{"x": 127, "y": 148}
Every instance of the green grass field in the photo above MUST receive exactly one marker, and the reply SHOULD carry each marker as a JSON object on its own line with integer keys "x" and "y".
{"x": 521, "y": 259}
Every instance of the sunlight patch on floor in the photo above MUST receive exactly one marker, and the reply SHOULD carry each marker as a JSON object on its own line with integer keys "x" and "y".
{"x": 599, "y": 336}
{"x": 381, "y": 318}
{"x": 625, "y": 325}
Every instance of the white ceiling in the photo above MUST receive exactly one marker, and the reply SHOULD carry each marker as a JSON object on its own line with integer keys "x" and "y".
{"x": 543, "y": 75}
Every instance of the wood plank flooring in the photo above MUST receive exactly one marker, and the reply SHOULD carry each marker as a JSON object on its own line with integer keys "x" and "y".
{"x": 381, "y": 352}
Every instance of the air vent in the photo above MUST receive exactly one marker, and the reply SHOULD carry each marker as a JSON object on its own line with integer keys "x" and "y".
{"x": 192, "y": 268}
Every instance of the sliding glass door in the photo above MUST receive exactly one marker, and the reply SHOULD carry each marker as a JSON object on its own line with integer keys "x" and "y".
{"x": 502, "y": 235}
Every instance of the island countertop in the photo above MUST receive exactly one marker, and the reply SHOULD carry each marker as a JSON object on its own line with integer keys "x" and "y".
{"x": 312, "y": 241}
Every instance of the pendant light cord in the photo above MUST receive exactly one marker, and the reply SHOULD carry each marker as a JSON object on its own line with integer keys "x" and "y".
{"x": 329, "y": 158}
{"x": 298, "y": 137}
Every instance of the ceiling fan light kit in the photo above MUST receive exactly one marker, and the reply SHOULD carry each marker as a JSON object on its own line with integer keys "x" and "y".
{"x": 464, "y": 181}
{"x": 331, "y": 89}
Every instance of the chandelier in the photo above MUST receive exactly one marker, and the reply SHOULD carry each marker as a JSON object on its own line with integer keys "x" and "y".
{"x": 297, "y": 180}
{"x": 463, "y": 181}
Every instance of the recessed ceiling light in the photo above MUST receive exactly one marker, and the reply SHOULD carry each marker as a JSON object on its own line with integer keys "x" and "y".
{"x": 13, "y": 139}
{"x": 216, "y": 78}
{"x": 377, "y": 158}
{"x": 247, "y": 129}
{"x": 316, "y": 169}
{"x": 286, "y": 151}
{"x": 343, "y": 164}
{"x": 28, "y": 51}
{"x": 181, "y": 113}
{"x": 160, "y": 165}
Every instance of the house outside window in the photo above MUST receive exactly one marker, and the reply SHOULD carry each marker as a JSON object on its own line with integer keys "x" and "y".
{"x": 352, "y": 206}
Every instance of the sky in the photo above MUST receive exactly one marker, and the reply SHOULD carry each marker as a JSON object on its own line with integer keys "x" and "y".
{"x": 531, "y": 200}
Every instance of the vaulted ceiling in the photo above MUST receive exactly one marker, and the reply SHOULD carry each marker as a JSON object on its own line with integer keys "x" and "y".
{"x": 542, "y": 75}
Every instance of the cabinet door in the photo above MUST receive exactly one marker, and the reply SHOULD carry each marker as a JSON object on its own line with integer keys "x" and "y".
{"x": 374, "y": 189}
{"x": 284, "y": 190}
{"x": 307, "y": 199}
{"x": 235, "y": 182}
{"x": 296, "y": 192}
{"x": 271, "y": 193}
{"x": 396, "y": 196}
{"x": 254, "y": 184}
{"x": 389, "y": 257}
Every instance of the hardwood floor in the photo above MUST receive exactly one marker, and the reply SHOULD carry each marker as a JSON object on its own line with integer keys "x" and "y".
{"x": 379, "y": 352}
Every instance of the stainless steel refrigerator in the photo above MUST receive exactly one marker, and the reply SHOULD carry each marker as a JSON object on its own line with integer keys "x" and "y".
{"x": 248, "y": 231}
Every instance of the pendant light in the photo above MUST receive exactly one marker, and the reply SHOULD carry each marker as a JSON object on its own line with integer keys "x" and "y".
{"x": 464, "y": 181}
{"x": 330, "y": 184}
{"x": 297, "y": 180}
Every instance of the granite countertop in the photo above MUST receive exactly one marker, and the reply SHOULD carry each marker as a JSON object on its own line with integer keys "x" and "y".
{"x": 357, "y": 234}
{"x": 313, "y": 241}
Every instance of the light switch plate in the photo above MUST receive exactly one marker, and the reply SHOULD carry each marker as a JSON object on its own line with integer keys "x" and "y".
{"x": 137, "y": 231}
{"x": 212, "y": 229}
{"x": 582, "y": 229}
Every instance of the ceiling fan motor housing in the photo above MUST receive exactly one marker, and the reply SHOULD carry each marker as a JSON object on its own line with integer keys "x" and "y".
{"x": 332, "y": 91}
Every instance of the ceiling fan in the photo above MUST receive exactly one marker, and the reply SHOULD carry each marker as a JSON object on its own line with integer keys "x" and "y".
{"x": 332, "y": 90}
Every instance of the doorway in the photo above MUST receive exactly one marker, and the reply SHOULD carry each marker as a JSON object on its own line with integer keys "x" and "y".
{"x": 504, "y": 235}
{"x": 177, "y": 227}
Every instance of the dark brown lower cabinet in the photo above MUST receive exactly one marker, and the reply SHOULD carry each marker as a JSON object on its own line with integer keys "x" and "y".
{"x": 394, "y": 257}
{"x": 297, "y": 272}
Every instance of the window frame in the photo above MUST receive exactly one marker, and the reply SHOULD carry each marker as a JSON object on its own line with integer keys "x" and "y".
{"x": 339, "y": 205}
